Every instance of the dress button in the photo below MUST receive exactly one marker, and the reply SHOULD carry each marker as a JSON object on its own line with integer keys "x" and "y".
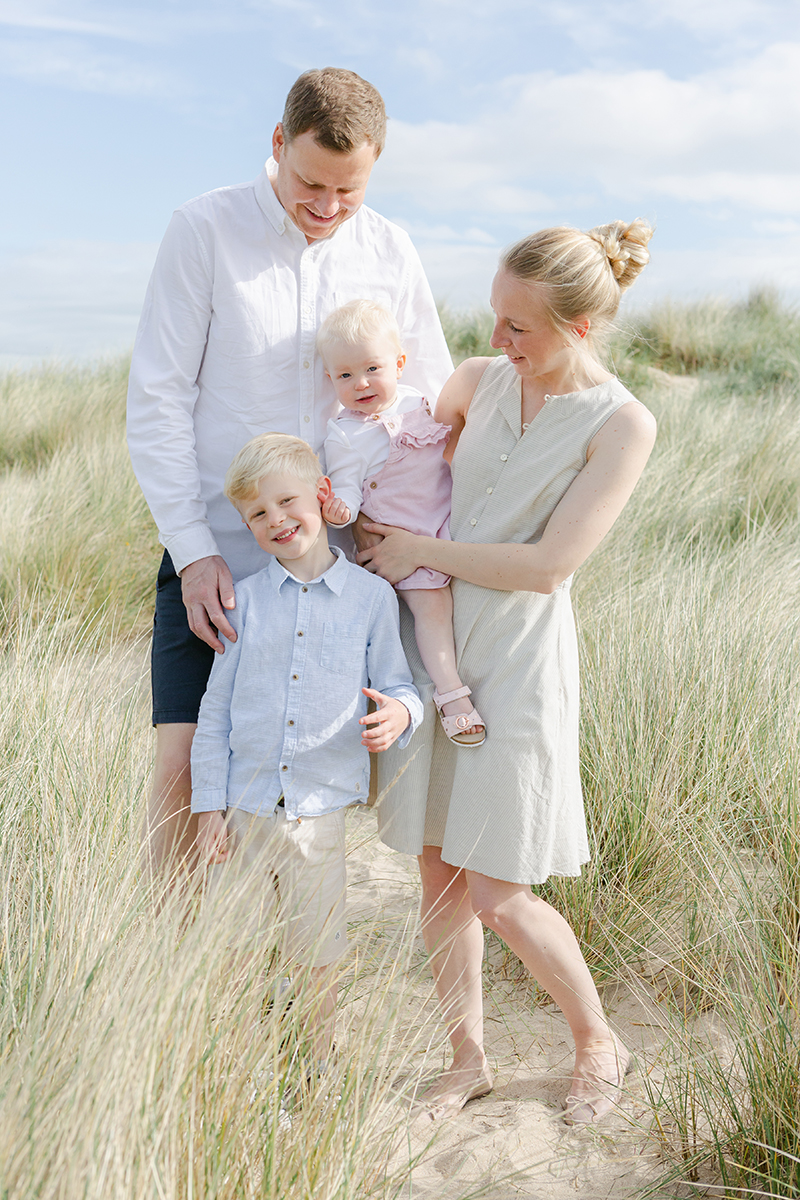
{"x": 375, "y": 417}
{"x": 489, "y": 491}
{"x": 503, "y": 458}
{"x": 373, "y": 484}
{"x": 473, "y": 521}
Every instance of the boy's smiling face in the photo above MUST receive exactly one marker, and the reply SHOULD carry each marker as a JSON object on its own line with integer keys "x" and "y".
{"x": 285, "y": 519}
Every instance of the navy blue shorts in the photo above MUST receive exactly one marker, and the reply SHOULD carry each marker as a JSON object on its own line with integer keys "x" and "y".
{"x": 180, "y": 663}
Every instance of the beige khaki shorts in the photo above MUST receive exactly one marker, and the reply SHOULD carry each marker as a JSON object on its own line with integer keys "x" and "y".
{"x": 288, "y": 875}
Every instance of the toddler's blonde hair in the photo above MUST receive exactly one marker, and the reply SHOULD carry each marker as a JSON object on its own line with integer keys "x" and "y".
{"x": 270, "y": 454}
{"x": 585, "y": 274}
{"x": 356, "y": 322}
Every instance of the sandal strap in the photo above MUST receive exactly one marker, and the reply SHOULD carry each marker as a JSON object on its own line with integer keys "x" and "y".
{"x": 441, "y": 698}
{"x": 460, "y": 722}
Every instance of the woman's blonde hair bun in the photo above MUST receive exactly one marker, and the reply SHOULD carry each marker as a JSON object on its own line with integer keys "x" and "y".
{"x": 625, "y": 246}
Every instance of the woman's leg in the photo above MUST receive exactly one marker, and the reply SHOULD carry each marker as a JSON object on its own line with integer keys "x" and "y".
{"x": 432, "y": 609}
{"x": 543, "y": 940}
{"x": 454, "y": 940}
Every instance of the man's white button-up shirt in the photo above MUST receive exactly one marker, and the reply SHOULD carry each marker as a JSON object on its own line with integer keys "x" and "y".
{"x": 225, "y": 350}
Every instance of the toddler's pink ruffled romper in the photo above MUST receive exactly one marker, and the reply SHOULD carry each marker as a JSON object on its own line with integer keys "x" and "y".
{"x": 411, "y": 490}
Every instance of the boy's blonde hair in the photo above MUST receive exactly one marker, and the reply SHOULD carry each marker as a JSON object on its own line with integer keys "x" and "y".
{"x": 270, "y": 454}
{"x": 356, "y": 322}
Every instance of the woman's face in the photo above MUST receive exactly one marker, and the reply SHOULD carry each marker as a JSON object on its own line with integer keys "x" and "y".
{"x": 522, "y": 329}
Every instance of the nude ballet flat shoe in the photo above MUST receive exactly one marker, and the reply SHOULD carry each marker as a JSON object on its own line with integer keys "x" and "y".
{"x": 439, "y": 1108}
{"x": 588, "y": 1110}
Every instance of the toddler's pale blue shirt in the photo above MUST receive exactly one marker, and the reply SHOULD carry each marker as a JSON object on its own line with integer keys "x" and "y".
{"x": 280, "y": 715}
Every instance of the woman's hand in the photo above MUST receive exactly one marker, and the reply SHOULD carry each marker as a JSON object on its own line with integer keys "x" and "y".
{"x": 393, "y": 558}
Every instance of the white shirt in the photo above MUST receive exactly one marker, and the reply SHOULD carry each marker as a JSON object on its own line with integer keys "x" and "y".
{"x": 356, "y": 449}
{"x": 280, "y": 716}
{"x": 225, "y": 350}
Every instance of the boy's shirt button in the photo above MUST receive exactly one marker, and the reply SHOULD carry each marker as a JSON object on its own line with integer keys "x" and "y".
{"x": 284, "y": 767}
{"x": 299, "y": 633}
{"x": 305, "y": 589}
{"x": 291, "y": 722}
{"x": 295, "y": 677}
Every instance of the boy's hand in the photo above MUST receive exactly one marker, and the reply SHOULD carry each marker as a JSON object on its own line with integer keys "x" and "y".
{"x": 212, "y": 837}
{"x": 335, "y": 511}
{"x": 391, "y": 719}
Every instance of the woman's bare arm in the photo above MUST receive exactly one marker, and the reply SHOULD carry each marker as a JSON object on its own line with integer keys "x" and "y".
{"x": 580, "y": 521}
{"x": 456, "y": 397}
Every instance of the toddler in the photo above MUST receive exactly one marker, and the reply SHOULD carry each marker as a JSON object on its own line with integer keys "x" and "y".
{"x": 384, "y": 456}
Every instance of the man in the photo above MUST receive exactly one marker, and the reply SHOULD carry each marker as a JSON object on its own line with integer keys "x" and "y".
{"x": 225, "y": 350}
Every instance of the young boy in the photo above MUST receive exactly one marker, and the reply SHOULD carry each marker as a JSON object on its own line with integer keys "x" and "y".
{"x": 282, "y": 740}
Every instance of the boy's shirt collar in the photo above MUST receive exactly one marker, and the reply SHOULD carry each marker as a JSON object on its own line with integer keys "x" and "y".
{"x": 334, "y": 578}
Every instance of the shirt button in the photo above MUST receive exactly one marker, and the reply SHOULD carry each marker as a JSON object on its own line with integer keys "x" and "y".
{"x": 299, "y": 633}
{"x": 289, "y": 723}
{"x": 489, "y": 491}
{"x": 473, "y": 521}
{"x": 306, "y": 418}
{"x": 284, "y": 768}
{"x": 295, "y": 677}
{"x": 306, "y": 365}
{"x": 375, "y": 417}
{"x": 305, "y": 589}
{"x": 503, "y": 458}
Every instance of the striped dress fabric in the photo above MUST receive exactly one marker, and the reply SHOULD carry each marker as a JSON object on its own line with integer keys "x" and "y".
{"x": 512, "y": 808}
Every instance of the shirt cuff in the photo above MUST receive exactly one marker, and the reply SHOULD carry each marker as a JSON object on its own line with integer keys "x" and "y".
{"x": 212, "y": 801}
{"x": 188, "y": 547}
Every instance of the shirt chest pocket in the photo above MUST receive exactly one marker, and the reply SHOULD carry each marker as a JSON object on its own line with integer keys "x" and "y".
{"x": 343, "y": 649}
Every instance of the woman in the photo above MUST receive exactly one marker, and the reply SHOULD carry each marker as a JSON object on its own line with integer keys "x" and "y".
{"x": 546, "y": 449}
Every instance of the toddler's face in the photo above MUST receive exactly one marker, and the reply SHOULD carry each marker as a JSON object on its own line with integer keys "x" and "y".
{"x": 365, "y": 375}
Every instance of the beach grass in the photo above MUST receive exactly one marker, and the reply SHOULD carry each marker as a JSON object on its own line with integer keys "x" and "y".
{"x": 128, "y": 1063}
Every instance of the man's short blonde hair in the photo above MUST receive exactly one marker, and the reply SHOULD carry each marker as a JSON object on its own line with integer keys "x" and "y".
{"x": 270, "y": 454}
{"x": 357, "y": 322}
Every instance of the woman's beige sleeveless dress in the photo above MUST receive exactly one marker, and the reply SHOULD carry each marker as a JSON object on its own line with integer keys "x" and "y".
{"x": 511, "y": 808}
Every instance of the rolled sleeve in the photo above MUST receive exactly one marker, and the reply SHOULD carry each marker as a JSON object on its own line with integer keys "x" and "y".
{"x": 387, "y": 665}
{"x": 211, "y": 747}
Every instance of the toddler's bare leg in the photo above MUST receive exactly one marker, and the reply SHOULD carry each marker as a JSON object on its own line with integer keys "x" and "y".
{"x": 432, "y": 609}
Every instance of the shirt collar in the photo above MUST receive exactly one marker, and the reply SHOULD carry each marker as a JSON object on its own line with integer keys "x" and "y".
{"x": 268, "y": 202}
{"x": 333, "y": 578}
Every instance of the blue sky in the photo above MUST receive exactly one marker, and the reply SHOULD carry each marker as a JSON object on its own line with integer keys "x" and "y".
{"x": 505, "y": 117}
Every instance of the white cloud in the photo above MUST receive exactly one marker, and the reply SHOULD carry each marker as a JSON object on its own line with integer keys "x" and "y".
{"x": 72, "y": 298}
{"x": 71, "y": 64}
{"x": 727, "y": 136}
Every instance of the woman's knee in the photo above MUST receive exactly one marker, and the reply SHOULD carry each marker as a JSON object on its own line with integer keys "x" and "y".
{"x": 440, "y": 880}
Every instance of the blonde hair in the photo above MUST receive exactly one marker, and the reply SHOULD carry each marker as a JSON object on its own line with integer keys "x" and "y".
{"x": 356, "y": 322}
{"x": 340, "y": 108}
{"x": 270, "y": 454}
{"x": 585, "y": 274}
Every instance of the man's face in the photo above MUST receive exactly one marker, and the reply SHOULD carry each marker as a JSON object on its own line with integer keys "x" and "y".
{"x": 319, "y": 188}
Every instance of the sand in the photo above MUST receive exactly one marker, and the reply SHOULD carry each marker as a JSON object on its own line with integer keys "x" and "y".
{"x": 514, "y": 1143}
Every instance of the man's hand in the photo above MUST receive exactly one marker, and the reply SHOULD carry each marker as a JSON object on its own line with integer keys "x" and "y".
{"x": 335, "y": 511}
{"x": 212, "y": 838}
{"x": 391, "y": 719}
{"x": 207, "y": 587}
{"x": 364, "y": 540}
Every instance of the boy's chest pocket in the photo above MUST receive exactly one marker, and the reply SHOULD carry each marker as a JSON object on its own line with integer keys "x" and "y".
{"x": 342, "y": 650}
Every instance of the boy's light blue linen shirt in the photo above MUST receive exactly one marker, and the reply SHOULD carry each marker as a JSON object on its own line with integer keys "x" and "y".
{"x": 280, "y": 715}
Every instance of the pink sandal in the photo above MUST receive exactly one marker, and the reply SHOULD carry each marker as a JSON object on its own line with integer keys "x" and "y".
{"x": 456, "y": 726}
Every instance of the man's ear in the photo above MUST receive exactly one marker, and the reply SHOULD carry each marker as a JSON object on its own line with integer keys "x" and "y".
{"x": 324, "y": 489}
{"x": 278, "y": 142}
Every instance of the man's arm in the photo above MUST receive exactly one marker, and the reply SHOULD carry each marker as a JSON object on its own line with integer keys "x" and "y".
{"x": 162, "y": 393}
{"x": 428, "y": 361}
